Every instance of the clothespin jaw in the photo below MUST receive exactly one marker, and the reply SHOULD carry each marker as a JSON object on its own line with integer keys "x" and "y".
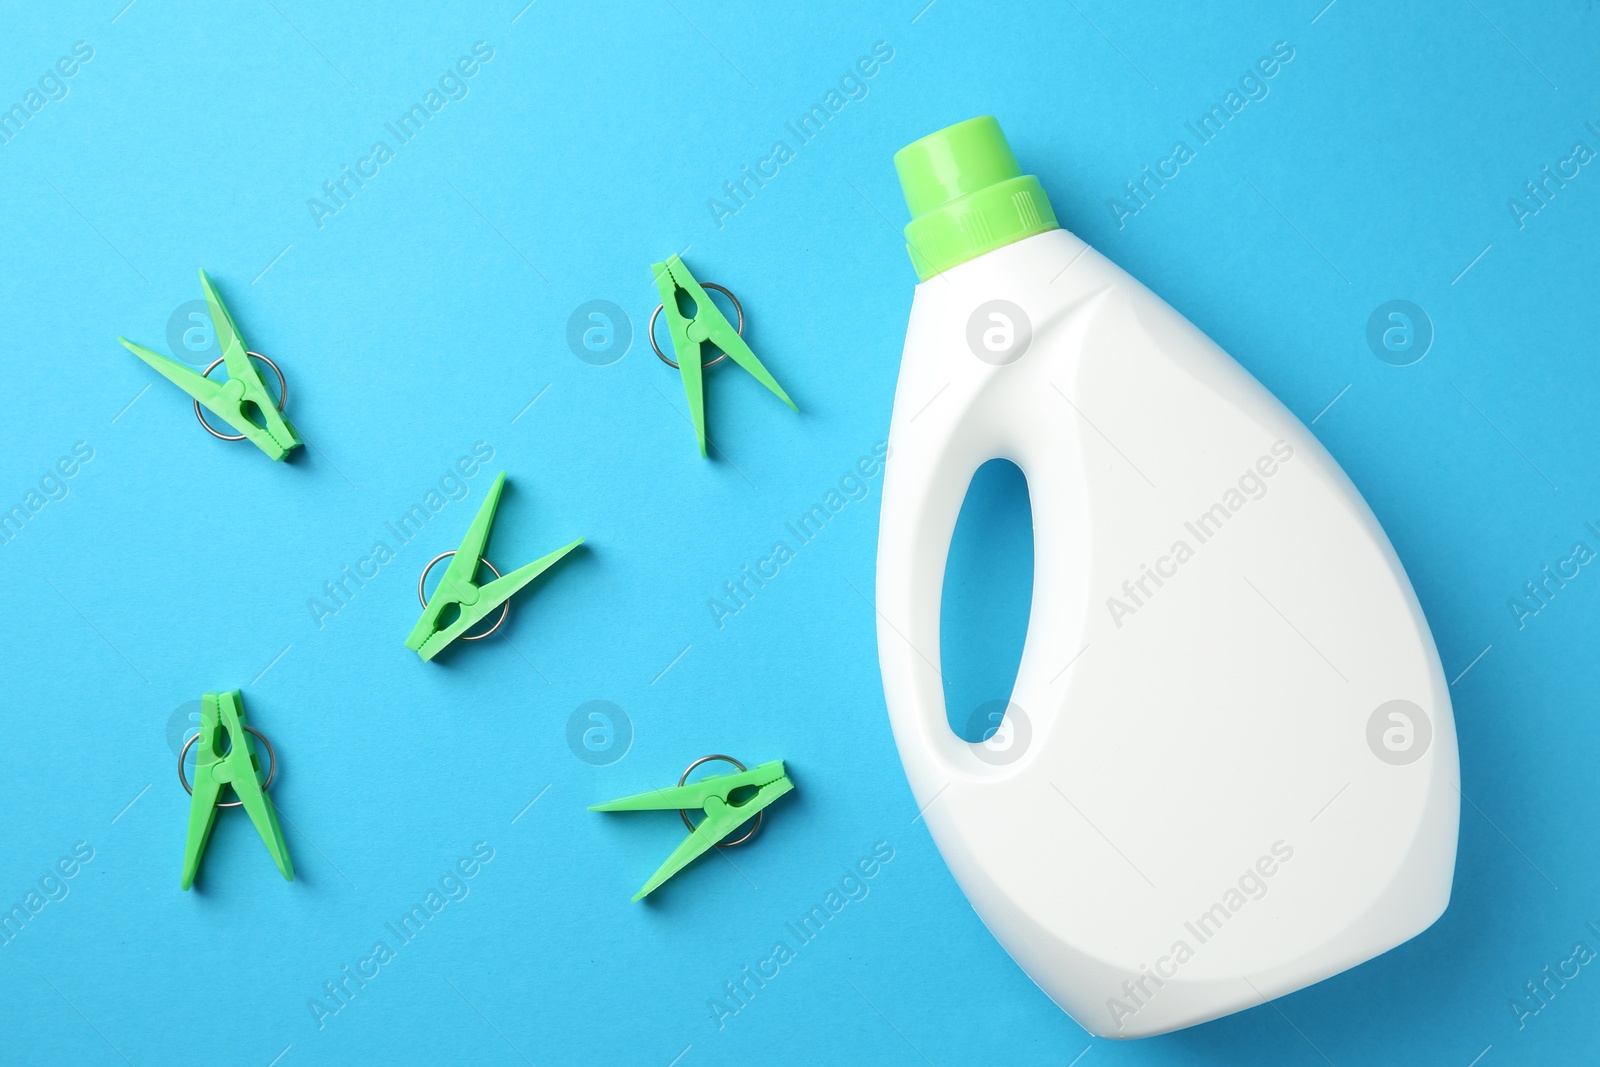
{"x": 723, "y": 811}
{"x": 709, "y": 324}
{"x": 458, "y": 588}
{"x": 241, "y": 396}
{"x": 222, "y": 725}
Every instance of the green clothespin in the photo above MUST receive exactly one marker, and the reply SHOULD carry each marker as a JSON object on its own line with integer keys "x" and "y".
{"x": 708, "y": 325}
{"x": 459, "y": 588}
{"x": 222, "y": 726}
{"x": 238, "y": 400}
{"x": 715, "y": 795}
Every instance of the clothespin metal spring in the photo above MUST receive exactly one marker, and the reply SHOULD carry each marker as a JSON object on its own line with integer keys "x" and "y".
{"x": 668, "y": 360}
{"x": 272, "y": 766}
{"x": 754, "y": 826}
{"x": 283, "y": 395}
{"x": 505, "y": 608}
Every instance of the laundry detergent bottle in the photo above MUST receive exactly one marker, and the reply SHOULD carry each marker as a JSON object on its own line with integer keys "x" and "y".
{"x": 1228, "y": 766}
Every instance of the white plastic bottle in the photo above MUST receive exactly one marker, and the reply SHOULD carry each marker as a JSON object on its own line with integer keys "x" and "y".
{"x": 1228, "y": 768}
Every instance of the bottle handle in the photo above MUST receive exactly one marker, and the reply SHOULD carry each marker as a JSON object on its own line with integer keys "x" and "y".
{"x": 924, "y": 488}
{"x": 928, "y": 474}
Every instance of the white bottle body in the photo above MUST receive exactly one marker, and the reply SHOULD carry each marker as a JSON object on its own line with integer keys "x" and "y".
{"x": 1188, "y": 809}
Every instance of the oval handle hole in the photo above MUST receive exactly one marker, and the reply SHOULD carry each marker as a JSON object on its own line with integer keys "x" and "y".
{"x": 985, "y": 600}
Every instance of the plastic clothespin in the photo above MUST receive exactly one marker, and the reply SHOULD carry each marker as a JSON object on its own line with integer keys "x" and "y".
{"x": 222, "y": 726}
{"x": 709, "y": 324}
{"x": 238, "y": 399}
{"x": 723, "y": 811}
{"x": 459, "y": 588}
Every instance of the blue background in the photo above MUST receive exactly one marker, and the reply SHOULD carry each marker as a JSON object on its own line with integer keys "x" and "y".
{"x": 425, "y": 316}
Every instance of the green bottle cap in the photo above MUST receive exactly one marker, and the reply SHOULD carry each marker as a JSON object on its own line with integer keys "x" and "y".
{"x": 967, "y": 196}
